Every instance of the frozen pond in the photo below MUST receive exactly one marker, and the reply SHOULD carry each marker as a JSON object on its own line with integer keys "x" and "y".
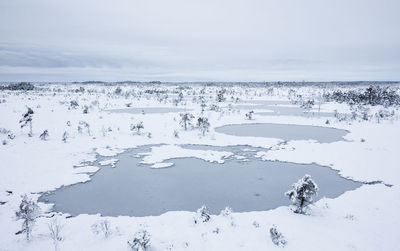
{"x": 138, "y": 190}
{"x": 138, "y": 110}
{"x": 284, "y": 131}
{"x": 282, "y": 109}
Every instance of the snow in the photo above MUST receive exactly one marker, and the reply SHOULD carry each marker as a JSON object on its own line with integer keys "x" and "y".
{"x": 363, "y": 219}
{"x": 87, "y": 169}
{"x": 162, "y": 165}
{"x": 160, "y": 153}
{"x": 106, "y": 162}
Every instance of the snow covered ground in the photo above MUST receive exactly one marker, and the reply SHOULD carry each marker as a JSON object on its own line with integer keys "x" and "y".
{"x": 363, "y": 219}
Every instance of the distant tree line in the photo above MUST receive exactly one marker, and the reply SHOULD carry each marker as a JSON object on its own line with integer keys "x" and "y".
{"x": 23, "y": 86}
{"x": 373, "y": 95}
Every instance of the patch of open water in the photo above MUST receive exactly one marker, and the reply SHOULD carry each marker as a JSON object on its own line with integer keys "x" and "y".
{"x": 245, "y": 184}
{"x": 284, "y": 131}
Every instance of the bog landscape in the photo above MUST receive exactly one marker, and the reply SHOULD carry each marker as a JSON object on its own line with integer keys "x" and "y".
{"x": 199, "y": 125}
{"x": 199, "y": 166}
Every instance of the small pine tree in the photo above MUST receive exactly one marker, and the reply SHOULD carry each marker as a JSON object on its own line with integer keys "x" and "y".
{"x": 203, "y": 124}
{"x": 302, "y": 194}
{"x": 44, "y": 135}
{"x": 137, "y": 127}
{"x": 226, "y": 212}
{"x": 73, "y": 104}
{"x": 85, "y": 109}
{"x": 118, "y": 91}
{"x": 220, "y": 95}
{"x": 65, "y": 136}
{"x": 140, "y": 241}
{"x": 307, "y": 105}
{"x": 55, "y": 232}
{"x": 27, "y": 120}
{"x": 249, "y": 115}
{"x": 202, "y": 215}
{"x": 185, "y": 120}
{"x": 28, "y": 211}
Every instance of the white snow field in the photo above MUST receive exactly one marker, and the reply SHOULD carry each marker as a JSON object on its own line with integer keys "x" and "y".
{"x": 363, "y": 219}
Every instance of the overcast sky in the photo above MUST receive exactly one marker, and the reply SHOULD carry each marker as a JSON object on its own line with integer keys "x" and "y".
{"x": 202, "y": 40}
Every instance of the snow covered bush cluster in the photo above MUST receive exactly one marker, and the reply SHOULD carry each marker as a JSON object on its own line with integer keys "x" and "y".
{"x": 22, "y": 86}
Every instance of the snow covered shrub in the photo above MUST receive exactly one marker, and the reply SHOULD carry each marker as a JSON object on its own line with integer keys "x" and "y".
{"x": 249, "y": 115}
{"x": 44, "y": 135}
{"x": 10, "y": 134}
{"x": 215, "y": 108}
{"x": 217, "y": 230}
{"x": 55, "y": 232}
{"x": 186, "y": 120}
{"x": 85, "y": 125}
{"x": 105, "y": 130}
{"x": 28, "y": 212}
{"x": 349, "y": 217}
{"x": 384, "y": 114}
{"x": 27, "y": 119}
{"x": 307, "y": 105}
{"x": 65, "y": 136}
{"x": 302, "y": 194}
{"x": 137, "y": 127}
{"x": 203, "y": 106}
{"x": 177, "y": 100}
{"x": 226, "y": 212}
{"x": 140, "y": 241}
{"x": 202, "y": 215}
{"x": 85, "y": 109}
{"x": 102, "y": 228}
{"x": 220, "y": 95}
{"x": 118, "y": 91}
{"x": 73, "y": 104}
{"x": 277, "y": 238}
{"x": 203, "y": 124}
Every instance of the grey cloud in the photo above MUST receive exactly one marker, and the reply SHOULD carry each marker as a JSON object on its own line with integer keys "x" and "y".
{"x": 194, "y": 40}
{"x": 36, "y": 56}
